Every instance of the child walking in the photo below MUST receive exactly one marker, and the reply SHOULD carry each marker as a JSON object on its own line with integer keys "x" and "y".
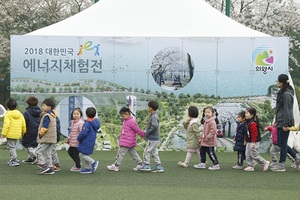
{"x": 209, "y": 140}
{"x": 192, "y": 127}
{"x": 239, "y": 145}
{"x": 127, "y": 141}
{"x": 87, "y": 139}
{"x": 253, "y": 141}
{"x": 32, "y": 119}
{"x": 152, "y": 139}
{"x": 75, "y": 129}
{"x": 13, "y": 128}
{"x": 47, "y": 137}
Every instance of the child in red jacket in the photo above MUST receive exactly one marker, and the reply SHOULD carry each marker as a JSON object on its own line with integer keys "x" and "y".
{"x": 253, "y": 141}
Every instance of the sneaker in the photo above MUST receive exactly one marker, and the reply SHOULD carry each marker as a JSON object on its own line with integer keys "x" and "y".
{"x": 183, "y": 164}
{"x": 95, "y": 166}
{"x": 158, "y": 169}
{"x": 86, "y": 171}
{"x": 145, "y": 168}
{"x": 28, "y": 161}
{"x": 138, "y": 167}
{"x": 237, "y": 167}
{"x": 13, "y": 163}
{"x": 113, "y": 167}
{"x": 75, "y": 169}
{"x": 249, "y": 169}
{"x": 43, "y": 170}
{"x": 50, "y": 171}
{"x": 56, "y": 168}
{"x": 200, "y": 166}
{"x": 215, "y": 167}
{"x": 266, "y": 165}
{"x": 279, "y": 168}
{"x": 273, "y": 164}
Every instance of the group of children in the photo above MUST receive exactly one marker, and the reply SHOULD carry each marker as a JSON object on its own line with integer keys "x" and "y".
{"x": 40, "y": 131}
{"x": 201, "y": 144}
{"x": 247, "y": 140}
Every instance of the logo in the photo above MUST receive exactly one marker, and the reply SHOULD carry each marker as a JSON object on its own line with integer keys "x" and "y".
{"x": 88, "y": 46}
{"x": 263, "y": 58}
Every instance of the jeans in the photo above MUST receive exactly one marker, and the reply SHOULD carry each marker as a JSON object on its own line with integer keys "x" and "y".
{"x": 282, "y": 143}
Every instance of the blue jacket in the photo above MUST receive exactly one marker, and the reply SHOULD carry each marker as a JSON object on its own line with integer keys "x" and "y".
{"x": 32, "y": 119}
{"x": 87, "y": 136}
{"x": 241, "y": 131}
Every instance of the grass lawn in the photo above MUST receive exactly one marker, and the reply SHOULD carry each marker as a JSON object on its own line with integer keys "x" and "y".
{"x": 175, "y": 183}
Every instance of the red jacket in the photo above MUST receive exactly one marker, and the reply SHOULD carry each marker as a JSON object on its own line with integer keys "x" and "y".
{"x": 273, "y": 131}
{"x": 253, "y": 134}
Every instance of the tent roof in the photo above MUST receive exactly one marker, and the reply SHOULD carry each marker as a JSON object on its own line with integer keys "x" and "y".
{"x": 149, "y": 18}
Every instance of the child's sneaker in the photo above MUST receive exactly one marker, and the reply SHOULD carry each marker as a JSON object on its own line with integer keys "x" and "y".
{"x": 273, "y": 164}
{"x": 249, "y": 169}
{"x": 50, "y": 171}
{"x": 56, "y": 168}
{"x": 266, "y": 165}
{"x": 183, "y": 164}
{"x": 13, "y": 163}
{"x": 237, "y": 167}
{"x": 158, "y": 169}
{"x": 86, "y": 171}
{"x": 75, "y": 169}
{"x": 95, "y": 166}
{"x": 43, "y": 170}
{"x": 215, "y": 167}
{"x": 113, "y": 167}
{"x": 28, "y": 161}
{"x": 138, "y": 167}
{"x": 200, "y": 166}
{"x": 145, "y": 168}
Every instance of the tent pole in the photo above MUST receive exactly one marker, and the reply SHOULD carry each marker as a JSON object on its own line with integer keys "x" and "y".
{"x": 228, "y": 8}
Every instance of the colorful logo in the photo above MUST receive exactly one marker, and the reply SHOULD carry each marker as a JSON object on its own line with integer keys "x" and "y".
{"x": 263, "y": 58}
{"x": 88, "y": 46}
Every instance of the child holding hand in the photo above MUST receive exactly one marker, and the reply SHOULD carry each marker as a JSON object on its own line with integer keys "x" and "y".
{"x": 253, "y": 139}
{"x": 192, "y": 127}
{"x": 75, "y": 129}
{"x": 127, "y": 141}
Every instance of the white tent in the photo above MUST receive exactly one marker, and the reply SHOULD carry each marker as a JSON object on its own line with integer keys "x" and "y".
{"x": 150, "y": 18}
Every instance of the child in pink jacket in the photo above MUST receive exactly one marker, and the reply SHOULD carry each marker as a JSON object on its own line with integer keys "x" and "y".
{"x": 209, "y": 140}
{"x": 127, "y": 140}
{"x": 75, "y": 129}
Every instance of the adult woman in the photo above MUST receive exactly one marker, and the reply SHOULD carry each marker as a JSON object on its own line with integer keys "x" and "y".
{"x": 284, "y": 118}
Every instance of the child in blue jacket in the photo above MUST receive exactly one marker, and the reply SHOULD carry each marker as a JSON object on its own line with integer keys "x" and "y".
{"x": 239, "y": 145}
{"x": 87, "y": 138}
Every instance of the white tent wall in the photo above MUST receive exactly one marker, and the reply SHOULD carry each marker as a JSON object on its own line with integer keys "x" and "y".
{"x": 150, "y": 18}
{"x": 155, "y": 18}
